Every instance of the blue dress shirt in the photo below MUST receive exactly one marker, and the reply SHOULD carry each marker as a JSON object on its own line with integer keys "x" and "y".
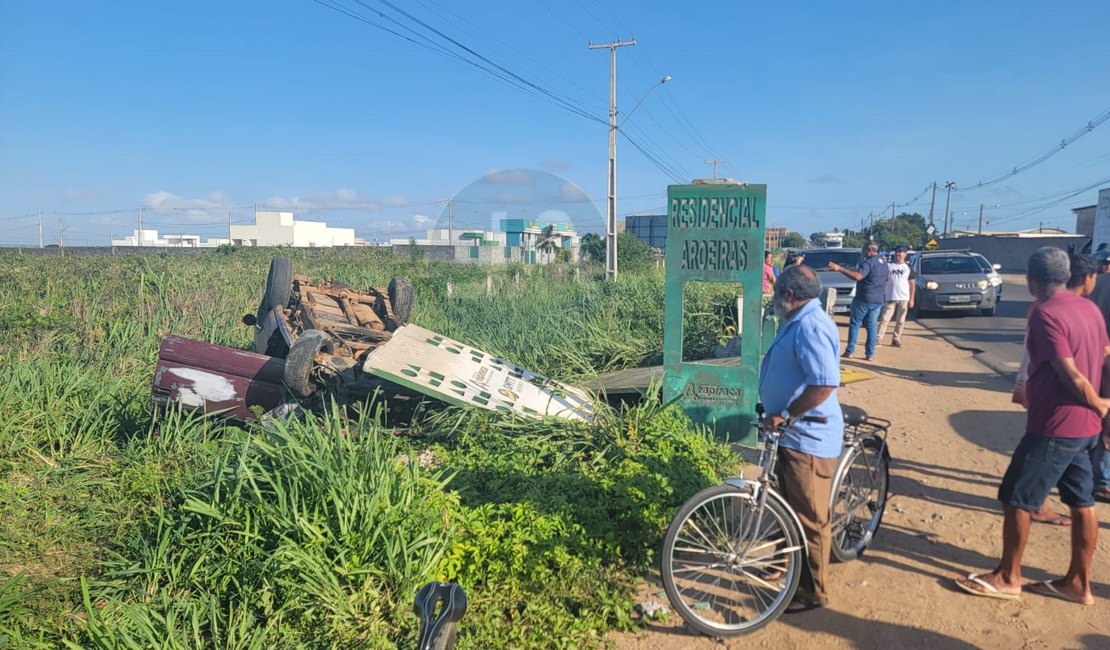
{"x": 806, "y": 352}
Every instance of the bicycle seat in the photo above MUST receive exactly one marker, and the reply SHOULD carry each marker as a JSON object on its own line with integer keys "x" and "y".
{"x": 853, "y": 415}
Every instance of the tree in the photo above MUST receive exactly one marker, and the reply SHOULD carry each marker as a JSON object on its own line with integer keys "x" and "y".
{"x": 633, "y": 255}
{"x": 592, "y": 248}
{"x": 548, "y": 244}
{"x": 793, "y": 240}
{"x": 905, "y": 229}
{"x": 817, "y": 238}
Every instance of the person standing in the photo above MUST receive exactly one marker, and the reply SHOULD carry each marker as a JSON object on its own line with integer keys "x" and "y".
{"x": 797, "y": 386}
{"x": 900, "y": 292}
{"x": 1101, "y": 458}
{"x": 1068, "y": 346}
{"x": 871, "y": 279}
{"x": 768, "y": 273}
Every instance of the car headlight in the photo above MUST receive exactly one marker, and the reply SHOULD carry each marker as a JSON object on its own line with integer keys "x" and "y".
{"x": 983, "y": 284}
{"x": 932, "y": 285}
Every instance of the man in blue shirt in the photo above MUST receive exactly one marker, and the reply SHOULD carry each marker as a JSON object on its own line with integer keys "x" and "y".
{"x": 798, "y": 379}
{"x": 871, "y": 279}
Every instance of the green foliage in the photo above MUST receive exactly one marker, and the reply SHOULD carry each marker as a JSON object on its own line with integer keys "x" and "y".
{"x": 132, "y": 530}
{"x": 905, "y": 229}
{"x": 633, "y": 255}
{"x": 793, "y": 240}
{"x": 592, "y": 248}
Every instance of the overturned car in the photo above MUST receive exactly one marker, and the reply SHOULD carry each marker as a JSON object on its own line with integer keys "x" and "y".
{"x": 322, "y": 341}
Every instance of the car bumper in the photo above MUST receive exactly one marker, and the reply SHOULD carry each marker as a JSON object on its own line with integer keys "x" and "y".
{"x": 962, "y": 301}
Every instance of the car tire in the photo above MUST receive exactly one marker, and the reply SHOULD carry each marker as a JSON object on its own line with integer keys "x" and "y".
{"x": 279, "y": 284}
{"x": 400, "y": 298}
{"x": 302, "y": 359}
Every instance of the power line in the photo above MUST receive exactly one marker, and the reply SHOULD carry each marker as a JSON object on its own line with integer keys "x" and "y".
{"x": 1063, "y": 144}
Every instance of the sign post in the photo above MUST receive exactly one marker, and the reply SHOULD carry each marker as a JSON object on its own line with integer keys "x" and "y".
{"x": 715, "y": 233}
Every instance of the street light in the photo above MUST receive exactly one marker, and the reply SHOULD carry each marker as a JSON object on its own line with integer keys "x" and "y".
{"x": 662, "y": 81}
{"x": 611, "y": 209}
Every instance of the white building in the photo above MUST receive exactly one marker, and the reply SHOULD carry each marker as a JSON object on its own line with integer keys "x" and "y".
{"x": 273, "y": 228}
{"x": 151, "y": 238}
{"x": 519, "y": 240}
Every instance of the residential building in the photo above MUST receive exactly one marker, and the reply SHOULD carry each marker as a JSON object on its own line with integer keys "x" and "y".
{"x": 519, "y": 240}
{"x": 151, "y": 238}
{"x": 1085, "y": 220}
{"x": 773, "y": 237}
{"x": 279, "y": 228}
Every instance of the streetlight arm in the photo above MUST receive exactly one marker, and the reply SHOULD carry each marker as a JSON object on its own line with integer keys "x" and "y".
{"x": 650, "y": 90}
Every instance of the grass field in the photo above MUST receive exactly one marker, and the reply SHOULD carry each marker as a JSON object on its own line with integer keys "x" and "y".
{"x": 118, "y": 530}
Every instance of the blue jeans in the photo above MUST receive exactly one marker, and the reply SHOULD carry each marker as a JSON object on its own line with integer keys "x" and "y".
{"x": 866, "y": 314}
{"x": 1100, "y": 459}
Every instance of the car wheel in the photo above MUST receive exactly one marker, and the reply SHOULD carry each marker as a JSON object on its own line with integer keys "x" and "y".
{"x": 302, "y": 359}
{"x": 400, "y": 298}
{"x": 279, "y": 284}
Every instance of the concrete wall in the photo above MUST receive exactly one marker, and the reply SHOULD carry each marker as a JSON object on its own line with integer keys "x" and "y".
{"x": 1085, "y": 220}
{"x": 1011, "y": 252}
{"x": 486, "y": 254}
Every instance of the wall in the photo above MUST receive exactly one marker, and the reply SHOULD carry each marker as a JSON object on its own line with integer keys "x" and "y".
{"x": 1011, "y": 252}
{"x": 1085, "y": 221}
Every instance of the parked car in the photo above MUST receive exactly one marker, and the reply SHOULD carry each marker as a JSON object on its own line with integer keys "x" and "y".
{"x": 952, "y": 281}
{"x": 992, "y": 273}
{"x": 818, "y": 259}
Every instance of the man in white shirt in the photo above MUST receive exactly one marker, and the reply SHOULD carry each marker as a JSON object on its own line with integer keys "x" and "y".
{"x": 900, "y": 291}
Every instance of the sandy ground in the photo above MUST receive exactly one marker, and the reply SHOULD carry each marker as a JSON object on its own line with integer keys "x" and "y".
{"x": 954, "y": 428}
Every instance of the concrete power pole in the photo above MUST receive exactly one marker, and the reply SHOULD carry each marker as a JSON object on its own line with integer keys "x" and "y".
{"x": 980, "y": 218}
{"x": 140, "y": 233}
{"x": 950, "y": 185}
{"x": 229, "y": 225}
{"x": 932, "y": 203}
{"x": 714, "y": 163}
{"x": 611, "y": 204}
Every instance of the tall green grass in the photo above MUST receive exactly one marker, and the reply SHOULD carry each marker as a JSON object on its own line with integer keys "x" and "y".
{"x": 121, "y": 530}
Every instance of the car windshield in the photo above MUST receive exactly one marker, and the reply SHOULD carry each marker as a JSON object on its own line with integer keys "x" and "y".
{"x": 951, "y": 264}
{"x": 984, "y": 265}
{"x": 820, "y": 259}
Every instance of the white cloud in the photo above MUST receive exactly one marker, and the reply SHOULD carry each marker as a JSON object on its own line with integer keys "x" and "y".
{"x": 192, "y": 209}
{"x": 83, "y": 194}
{"x": 341, "y": 199}
{"x": 510, "y": 177}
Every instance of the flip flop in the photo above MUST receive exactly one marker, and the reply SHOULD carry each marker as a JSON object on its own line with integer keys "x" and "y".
{"x": 988, "y": 590}
{"x": 1055, "y": 520}
{"x": 1046, "y": 588}
{"x": 802, "y": 605}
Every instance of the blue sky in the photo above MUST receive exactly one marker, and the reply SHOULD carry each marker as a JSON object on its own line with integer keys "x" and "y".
{"x": 196, "y": 108}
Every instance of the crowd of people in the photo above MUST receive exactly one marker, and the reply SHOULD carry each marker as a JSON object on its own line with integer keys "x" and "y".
{"x": 1066, "y": 444}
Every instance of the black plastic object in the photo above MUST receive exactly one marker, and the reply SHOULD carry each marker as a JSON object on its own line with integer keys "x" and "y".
{"x": 440, "y": 606}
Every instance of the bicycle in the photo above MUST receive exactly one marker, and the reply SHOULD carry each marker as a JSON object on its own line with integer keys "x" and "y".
{"x": 733, "y": 554}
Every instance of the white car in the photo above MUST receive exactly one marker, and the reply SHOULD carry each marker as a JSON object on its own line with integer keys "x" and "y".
{"x": 992, "y": 274}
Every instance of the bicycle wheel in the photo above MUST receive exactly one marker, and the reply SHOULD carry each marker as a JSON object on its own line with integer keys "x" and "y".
{"x": 859, "y": 497}
{"x": 728, "y": 568}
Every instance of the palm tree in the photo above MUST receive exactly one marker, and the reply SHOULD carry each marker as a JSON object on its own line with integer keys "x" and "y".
{"x": 548, "y": 243}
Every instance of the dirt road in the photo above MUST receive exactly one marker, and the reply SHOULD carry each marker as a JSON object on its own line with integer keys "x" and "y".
{"x": 954, "y": 428}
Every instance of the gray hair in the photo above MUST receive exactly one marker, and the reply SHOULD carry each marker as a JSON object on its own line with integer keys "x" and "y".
{"x": 801, "y": 281}
{"x": 1049, "y": 266}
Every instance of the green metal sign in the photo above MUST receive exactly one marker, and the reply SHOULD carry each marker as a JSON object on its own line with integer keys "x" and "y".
{"x": 715, "y": 233}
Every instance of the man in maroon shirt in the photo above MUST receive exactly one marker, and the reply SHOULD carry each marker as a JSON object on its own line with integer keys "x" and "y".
{"x": 1068, "y": 345}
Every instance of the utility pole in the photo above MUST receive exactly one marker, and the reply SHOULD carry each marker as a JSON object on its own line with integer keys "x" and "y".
{"x": 40, "y": 228}
{"x": 932, "y": 203}
{"x": 611, "y": 204}
{"x": 140, "y": 231}
{"x": 950, "y": 185}
{"x": 892, "y": 210}
{"x": 229, "y": 225}
{"x": 714, "y": 163}
{"x": 980, "y": 218}
{"x": 450, "y": 220}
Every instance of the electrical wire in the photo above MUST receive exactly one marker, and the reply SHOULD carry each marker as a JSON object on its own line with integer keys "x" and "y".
{"x": 1063, "y": 144}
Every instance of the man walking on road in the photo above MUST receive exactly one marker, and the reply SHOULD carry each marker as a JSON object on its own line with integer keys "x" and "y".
{"x": 871, "y": 281}
{"x": 1068, "y": 346}
{"x": 900, "y": 291}
{"x": 797, "y": 385}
